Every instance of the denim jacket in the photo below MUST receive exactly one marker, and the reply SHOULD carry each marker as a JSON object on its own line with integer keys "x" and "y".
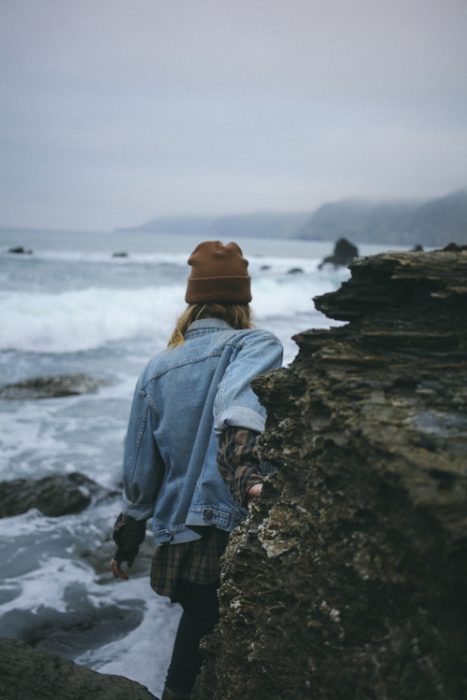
{"x": 184, "y": 398}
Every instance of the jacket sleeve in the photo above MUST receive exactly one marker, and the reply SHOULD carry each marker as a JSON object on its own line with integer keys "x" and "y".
{"x": 236, "y": 404}
{"x": 143, "y": 467}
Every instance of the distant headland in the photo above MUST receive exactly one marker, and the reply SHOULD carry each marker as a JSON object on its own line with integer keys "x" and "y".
{"x": 433, "y": 222}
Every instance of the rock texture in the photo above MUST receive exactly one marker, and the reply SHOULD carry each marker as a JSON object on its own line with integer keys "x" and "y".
{"x": 26, "y": 674}
{"x": 54, "y": 495}
{"x": 348, "y": 580}
{"x": 50, "y": 387}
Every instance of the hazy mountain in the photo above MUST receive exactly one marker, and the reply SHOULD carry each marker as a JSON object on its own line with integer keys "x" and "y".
{"x": 432, "y": 223}
{"x": 435, "y": 222}
{"x": 256, "y": 225}
{"x": 442, "y": 220}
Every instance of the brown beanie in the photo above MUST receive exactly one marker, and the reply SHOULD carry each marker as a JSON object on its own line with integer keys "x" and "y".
{"x": 219, "y": 274}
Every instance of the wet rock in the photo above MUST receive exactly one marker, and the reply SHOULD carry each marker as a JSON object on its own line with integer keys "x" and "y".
{"x": 347, "y": 582}
{"x": 344, "y": 253}
{"x": 295, "y": 271}
{"x": 82, "y": 627}
{"x": 20, "y": 250}
{"x": 50, "y": 387}
{"x": 455, "y": 248}
{"x": 27, "y": 674}
{"x": 265, "y": 267}
{"x": 52, "y": 495}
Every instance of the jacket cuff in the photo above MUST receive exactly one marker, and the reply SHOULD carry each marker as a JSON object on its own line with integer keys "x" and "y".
{"x": 240, "y": 417}
{"x": 138, "y": 511}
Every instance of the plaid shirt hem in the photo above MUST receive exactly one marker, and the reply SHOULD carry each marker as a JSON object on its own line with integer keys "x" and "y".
{"x": 197, "y": 561}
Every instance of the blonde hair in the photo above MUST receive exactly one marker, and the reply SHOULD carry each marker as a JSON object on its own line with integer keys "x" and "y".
{"x": 236, "y": 315}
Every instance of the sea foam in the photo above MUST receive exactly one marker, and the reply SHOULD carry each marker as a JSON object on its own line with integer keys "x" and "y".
{"x": 84, "y": 319}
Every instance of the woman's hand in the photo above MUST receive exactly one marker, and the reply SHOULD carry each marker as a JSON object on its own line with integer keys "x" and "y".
{"x": 117, "y": 570}
{"x": 255, "y": 491}
{"x": 128, "y": 534}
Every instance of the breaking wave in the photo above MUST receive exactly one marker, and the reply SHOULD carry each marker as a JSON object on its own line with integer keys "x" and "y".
{"x": 86, "y": 319}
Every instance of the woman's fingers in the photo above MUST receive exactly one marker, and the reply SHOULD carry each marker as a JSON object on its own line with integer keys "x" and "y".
{"x": 255, "y": 491}
{"x": 118, "y": 571}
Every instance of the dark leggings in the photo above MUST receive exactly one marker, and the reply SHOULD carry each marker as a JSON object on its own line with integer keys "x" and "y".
{"x": 200, "y": 615}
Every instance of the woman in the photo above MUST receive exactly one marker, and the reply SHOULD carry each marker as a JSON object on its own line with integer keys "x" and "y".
{"x": 189, "y": 459}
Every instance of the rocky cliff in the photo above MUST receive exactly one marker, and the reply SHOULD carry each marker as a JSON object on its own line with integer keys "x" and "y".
{"x": 433, "y": 222}
{"x": 348, "y": 581}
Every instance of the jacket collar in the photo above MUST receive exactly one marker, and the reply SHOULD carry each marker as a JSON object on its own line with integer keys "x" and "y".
{"x": 207, "y": 325}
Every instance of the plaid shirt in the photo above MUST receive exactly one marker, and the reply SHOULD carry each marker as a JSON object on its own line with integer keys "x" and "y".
{"x": 198, "y": 560}
{"x": 238, "y": 462}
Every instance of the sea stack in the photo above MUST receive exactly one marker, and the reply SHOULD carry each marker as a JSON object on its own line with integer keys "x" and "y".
{"x": 344, "y": 253}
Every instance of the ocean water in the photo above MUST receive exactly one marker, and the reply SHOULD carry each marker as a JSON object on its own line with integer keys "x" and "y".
{"x": 73, "y": 307}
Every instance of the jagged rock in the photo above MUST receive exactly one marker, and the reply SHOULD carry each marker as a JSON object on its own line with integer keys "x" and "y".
{"x": 347, "y": 582}
{"x": 26, "y": 674}
{"x": 20, "y": 250}
{"x": 344, "y": 253}
{"x": 50, "y": 387}
{"x": 55, "y": 495}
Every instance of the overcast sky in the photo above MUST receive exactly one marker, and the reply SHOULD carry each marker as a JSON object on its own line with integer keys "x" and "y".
{"x": 117, "y": 111}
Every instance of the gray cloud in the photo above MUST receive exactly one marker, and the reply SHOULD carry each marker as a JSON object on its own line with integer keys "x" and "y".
{"x": 117, "y": 111}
